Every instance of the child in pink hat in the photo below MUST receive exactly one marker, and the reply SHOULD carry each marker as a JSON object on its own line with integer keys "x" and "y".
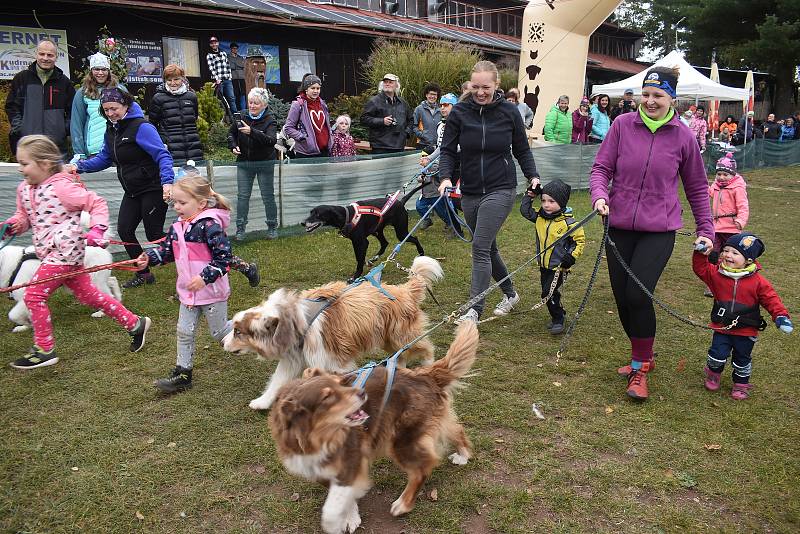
{"x": 729, "y": 205}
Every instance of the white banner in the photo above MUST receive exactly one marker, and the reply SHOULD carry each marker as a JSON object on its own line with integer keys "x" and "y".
{"x": 18, "y": 48}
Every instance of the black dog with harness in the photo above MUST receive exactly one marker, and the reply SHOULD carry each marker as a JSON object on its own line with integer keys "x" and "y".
{"x": 366, "y": 218}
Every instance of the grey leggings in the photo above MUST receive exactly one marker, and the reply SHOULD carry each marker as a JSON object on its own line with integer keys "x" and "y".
{"x": 485, "y": 214}
{"x": 188, "y": 317}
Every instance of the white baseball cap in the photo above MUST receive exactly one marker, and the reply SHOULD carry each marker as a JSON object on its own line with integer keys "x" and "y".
{"x": 389, "y": 76}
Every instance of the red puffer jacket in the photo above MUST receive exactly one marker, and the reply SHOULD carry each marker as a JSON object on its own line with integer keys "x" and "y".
{"x": 738, "y": 298}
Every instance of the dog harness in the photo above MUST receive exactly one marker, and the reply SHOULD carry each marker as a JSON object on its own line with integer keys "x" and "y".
{"x": 359, "y": 210}
{"x": 26, "y": 256}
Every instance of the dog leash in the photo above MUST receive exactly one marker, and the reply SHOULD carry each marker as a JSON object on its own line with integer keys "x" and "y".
{"x": 5, "y": 242}
{"x": 126, "y": 265}
{"x": 155, "y": 242}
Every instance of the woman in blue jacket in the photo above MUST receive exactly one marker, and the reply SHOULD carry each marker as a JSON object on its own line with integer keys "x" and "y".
{"x": 489, "y": 130}
{"x": 144, "y": 169}
{"x": 87, "y": 124}
{"x": 601, "y": 120}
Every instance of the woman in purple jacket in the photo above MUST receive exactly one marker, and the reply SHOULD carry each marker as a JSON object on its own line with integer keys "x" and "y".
{"x": 643, "y": 157}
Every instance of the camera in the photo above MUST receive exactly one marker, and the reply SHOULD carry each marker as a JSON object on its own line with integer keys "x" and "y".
{"x": 392, "y": 120}
{"x": 237, "y": 116}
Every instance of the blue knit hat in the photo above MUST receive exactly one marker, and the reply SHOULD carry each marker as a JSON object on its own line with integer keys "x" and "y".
{"x": 449, "y": 98}
{"x": 749, "y": 245}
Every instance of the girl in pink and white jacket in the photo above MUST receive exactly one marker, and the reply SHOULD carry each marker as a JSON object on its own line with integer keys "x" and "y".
{"x": 197, "y": 243}
{"x": 729, "y": 205}
{"x": 50, "y": 202}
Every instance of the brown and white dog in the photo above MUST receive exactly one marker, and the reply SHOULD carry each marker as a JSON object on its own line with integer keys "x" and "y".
{"x": 318, "y": 424}
{"x": 289, "y": 328}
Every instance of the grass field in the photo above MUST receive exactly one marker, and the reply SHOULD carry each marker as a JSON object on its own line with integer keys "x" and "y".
{"x": 87, "y": 445}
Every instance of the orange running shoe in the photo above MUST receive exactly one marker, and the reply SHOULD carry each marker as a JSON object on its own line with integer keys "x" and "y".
{"x": 637, "y": 382}
{"x": 625, "y": 370}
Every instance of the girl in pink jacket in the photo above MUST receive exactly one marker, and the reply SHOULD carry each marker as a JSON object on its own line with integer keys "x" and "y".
{"x": 729, "y": 205}
{"x": 197, "y": 243}
{"x": 50, "y": 202}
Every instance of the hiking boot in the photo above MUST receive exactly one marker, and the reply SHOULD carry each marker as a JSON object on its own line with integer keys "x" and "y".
{"x": 138, "y": 333}
{"x": 506, "y": 305}
{"x": 625, "y": 370}
{"x": 471, "y": 315}
{"x": 712, "y": 379}
{"x": 239, "y": 235}
{"x": 556, "y": 327}
{"x": 741, "y": 391}
{"x": 272, "y": 231}
{"x": 179, "y": 380}
{"x": 140, "y": 279}
{"x": 251, "y": 272}
{"x": 637, "y": 382}
{"x": 425, "y": 224}
{"x": 36, "y": 358}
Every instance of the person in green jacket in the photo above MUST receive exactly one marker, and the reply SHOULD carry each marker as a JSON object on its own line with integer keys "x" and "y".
{"x": 87, "y": 123}
{"x": 558, "y": 123}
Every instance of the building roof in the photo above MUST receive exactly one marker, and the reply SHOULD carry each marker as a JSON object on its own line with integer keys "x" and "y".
{"x": 337, "y": 18}
{"x": 604, "y": 62}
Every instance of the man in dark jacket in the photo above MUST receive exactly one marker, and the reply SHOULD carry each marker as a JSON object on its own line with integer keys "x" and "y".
{"x": 389, "y": 118}
{"x": 40, "y": 99}
{"x": 772, "y": 130}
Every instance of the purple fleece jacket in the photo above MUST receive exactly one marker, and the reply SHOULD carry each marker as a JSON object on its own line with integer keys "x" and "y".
{"x": 299, "y": 128}
{"x": 643, "y": 169}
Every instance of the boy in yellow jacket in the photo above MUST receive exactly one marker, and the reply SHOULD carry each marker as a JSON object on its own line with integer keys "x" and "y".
{"x": 552, "y": 221}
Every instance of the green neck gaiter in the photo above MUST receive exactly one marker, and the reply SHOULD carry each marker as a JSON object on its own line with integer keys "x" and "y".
{"x": 44, "y": 75}
{"x": 654, "y": 125}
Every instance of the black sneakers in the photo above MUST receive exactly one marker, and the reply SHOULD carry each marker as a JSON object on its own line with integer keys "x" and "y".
{"x": 36, "y": 358}
{"x": 140, "y": 279}
{"x": 425, "y": 224}
{"x": 179, "y": 380}
{"x": 138, "y": 333}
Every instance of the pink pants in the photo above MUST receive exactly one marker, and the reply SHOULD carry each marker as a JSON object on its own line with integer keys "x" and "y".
{"x": 36, "y": 297}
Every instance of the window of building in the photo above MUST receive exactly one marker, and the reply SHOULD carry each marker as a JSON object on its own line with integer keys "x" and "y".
{"x": 301, "y": 62}
{"x": 184, "y": 53}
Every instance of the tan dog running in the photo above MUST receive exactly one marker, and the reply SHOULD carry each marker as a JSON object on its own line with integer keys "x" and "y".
{"x": 318, "y": 426}
{"x": 289, "y": 328}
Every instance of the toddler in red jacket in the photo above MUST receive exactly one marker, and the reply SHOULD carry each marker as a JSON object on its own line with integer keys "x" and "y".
{"x": 739, "y": 291}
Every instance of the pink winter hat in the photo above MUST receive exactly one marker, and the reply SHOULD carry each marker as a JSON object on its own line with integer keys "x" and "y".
{"x": 727, "y": 164}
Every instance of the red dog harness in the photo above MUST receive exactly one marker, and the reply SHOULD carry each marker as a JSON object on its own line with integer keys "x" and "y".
{"x": 359, "y": 210}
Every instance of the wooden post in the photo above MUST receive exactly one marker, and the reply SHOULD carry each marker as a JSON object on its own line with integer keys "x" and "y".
{"x": 210, "y": 171}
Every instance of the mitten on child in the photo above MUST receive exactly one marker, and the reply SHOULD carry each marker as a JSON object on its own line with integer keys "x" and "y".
{"x": 96, "y": 237}
{"x": 784, "y": 324}
{"x": 8, "y": 226}
{"x": 567, "y": 261}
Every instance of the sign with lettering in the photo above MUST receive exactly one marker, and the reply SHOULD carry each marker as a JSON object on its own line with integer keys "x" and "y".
{"x": 145, "y": 61}
{"x": 18, "y": 48}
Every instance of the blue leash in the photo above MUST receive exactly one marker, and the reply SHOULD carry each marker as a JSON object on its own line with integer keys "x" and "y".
{"x": 396, "y": 249}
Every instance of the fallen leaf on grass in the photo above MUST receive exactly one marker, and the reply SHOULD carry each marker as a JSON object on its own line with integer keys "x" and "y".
{"x": 139, "y": 515}
{"x": 434, "y": 495}
{"x": 712, "y": 446}
{"x": 171, "y": 444}
{"x": 681, "y": 365}
{"x": 669, "y": 473}
{"x": 260, "y": 469}
{"x": 539, "y": 365}
{"x": 557, "y": 384}
{"x": 609, "y": 312}
{"x": 715, "y": 404}
{"x": 499, "y": 440}
{"x": 609, "y": 409}
{"x": 295, "y": 497}
{"x": 74, "y": 468}
{"x": 151, "y": 441}
{"x": 537, "y": 412}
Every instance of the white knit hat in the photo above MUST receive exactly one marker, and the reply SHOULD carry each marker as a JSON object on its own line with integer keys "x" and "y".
{"x": 99, "y": 61}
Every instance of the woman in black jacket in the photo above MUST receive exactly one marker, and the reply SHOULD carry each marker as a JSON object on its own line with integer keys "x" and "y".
{"x": 173, "y": 111}
{"x": 488, "y": 129}
{"x": 252, "y": 139}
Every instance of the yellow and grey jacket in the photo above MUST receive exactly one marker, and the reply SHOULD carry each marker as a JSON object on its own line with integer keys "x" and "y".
{"x": 549, "y": 229}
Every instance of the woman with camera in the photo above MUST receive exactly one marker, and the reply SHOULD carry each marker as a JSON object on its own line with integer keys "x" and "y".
{"x": 252, "y": 138}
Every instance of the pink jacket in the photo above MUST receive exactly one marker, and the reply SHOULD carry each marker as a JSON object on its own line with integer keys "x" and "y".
{"x": 699, "y": 128}
{"x": 192, "y": 257}
{"x": 729, "y": 205}
{"x": 53, "y": 210}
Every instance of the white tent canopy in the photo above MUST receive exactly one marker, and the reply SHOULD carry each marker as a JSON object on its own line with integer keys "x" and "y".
{"x": 691, "y": 83}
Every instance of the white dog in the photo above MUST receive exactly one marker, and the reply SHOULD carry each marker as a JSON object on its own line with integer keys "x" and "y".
{"x": 15, "y": 263}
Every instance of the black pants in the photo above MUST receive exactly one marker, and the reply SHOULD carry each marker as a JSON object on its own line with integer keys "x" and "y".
{"x": 554, "y": 303}
{"x": 149, "y": 208}
{"x": 647, "y": 254}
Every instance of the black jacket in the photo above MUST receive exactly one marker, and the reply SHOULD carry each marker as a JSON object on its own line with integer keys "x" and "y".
{"x": 175, "y": 118}
{"x": 773, "y": 130}
{"x": 393, "y": 136}
{"x": 33, "y": 108}
{"x": 260, "y": 144}
{"x": 487, "y": 135}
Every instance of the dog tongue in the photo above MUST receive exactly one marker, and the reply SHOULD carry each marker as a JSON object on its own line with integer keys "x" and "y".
{"x": 358, "y": 416}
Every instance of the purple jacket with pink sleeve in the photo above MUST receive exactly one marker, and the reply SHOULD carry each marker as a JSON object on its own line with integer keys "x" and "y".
{"x": 637, "y": 173}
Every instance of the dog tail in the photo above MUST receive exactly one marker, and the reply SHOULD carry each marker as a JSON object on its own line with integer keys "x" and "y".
{"x": 459, "y": 359}
{"x": 426, "y": 268}
{"x": 410, "y": 194}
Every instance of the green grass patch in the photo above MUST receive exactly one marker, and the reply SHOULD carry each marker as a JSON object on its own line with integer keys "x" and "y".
{"x": 88, "y": 444}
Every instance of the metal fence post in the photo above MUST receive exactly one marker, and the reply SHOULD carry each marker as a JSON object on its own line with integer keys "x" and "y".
{"x": 280, "y": 191}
